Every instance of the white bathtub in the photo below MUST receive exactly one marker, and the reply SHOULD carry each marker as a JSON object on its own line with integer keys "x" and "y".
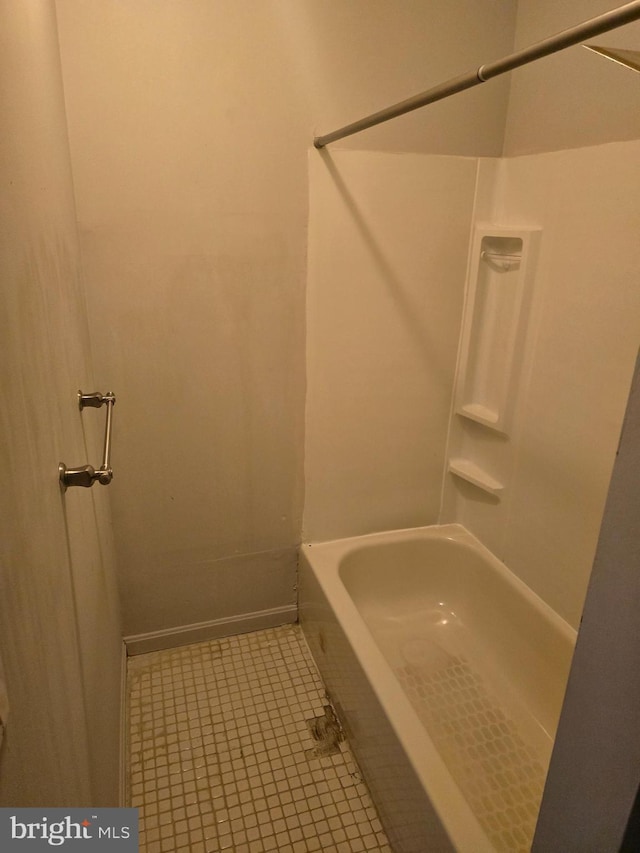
{"x": 448, "y": 674}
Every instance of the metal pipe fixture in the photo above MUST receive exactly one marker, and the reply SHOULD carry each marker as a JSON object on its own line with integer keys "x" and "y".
{"x": 593, "y": 27}
{"x": 86, "y": 475}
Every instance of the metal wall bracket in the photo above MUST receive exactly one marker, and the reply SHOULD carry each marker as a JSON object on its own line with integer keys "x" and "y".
{"x": 87, "y": 475}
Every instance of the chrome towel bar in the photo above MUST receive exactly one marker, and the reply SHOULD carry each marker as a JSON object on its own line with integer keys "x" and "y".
{"x": 86, "y": 475}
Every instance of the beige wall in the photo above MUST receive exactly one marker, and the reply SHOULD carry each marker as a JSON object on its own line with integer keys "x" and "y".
{"x": 192, "y": 223}
{"x": 358, "y": 56}
{"x": 573, "y": 98}
{"x": 190, "y": 125}
{"x": 59, "y": 626}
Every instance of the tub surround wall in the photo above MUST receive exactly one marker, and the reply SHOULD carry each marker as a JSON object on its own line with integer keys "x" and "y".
{"x": 392, "y": 233}
{"x": 388, "y": 239}
{"x": 580, "y": 345}
{"x": 576, "y": 384}
{"x": 60, "y": 637}
{"x": 585, "y": 318}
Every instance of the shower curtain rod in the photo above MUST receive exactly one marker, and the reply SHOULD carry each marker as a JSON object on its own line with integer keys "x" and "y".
{"x": 593, "y": 27}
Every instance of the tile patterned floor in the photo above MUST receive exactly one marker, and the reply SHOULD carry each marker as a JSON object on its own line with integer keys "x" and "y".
{"x": 222, "y": 756}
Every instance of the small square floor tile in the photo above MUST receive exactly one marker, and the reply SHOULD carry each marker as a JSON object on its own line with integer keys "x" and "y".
{"x": 221, "y": 757}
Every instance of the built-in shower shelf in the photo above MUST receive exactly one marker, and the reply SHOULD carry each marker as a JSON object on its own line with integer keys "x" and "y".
{"x": 474, "y": 474}
{"x": 481, "y": 414}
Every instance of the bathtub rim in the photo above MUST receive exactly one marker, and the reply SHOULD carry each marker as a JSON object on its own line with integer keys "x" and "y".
{"x": 323, "y": 560}
{"x": 337, "y": 549}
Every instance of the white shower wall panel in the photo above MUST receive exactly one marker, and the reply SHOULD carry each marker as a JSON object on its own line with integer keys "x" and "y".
{"x": 581, "y": 341}
{"x": 388, "y": 239}
{"x": 582, "y": 359}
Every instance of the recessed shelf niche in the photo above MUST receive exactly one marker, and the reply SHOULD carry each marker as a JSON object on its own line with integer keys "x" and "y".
{"x": 492, "y": 338}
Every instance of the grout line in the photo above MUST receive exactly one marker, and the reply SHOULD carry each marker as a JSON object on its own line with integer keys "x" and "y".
{"x": 222, "y": 756}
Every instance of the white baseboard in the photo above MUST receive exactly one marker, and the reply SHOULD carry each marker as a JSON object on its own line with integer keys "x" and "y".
{"x": 169, "y": 638}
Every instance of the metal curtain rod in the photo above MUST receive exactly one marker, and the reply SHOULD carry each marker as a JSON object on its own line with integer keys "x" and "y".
{"x": 593, "y": 27}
